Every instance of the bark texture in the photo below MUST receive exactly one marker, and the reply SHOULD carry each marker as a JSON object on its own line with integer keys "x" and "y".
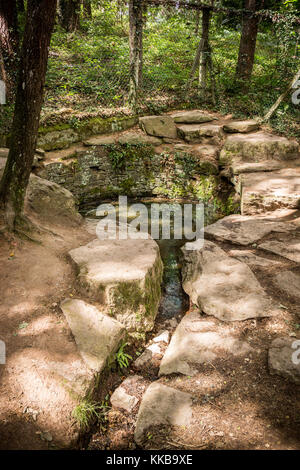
{"x": 29, "y": 96}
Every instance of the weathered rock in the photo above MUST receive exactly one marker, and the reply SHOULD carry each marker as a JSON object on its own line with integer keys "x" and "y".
{"x": 121, "y": 399}
{"x": 241, "y": 126}
{"x": 191, "y": 117}
{"x": 287, "y": 246}
{"x": 263, "y": 192}
{"x": 196, "y": 341}
{"x": 244, "y": 230}
{"x": 50, "y": 200}
{"x": 246, "y": 256}
{"x": 284, "y": 358}
{"x": 124, "y": 275}
{"x": 97, "y": 335}
{"x": 163, "y": 337}
{"x": 135, "y": 138}
{"x": 257, "y": 147}
{"x": 206, "y": 151}
{"x": 159, "y": 126}
{"x": 162, "y": 405}
{"x": 143, "y": 360}
{"x": 200, "y": 133}
{"x": 289, "y": 282}
{"x": 101, "y": 140}
{"x": 237, "y": 167}
{"x": 222, "y": 286}
{"x": 58, "y": 139}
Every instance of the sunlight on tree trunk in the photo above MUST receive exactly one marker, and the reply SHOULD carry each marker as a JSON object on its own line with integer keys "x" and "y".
{"x": 29, "y": 97}
{"x": 136, "y": 50}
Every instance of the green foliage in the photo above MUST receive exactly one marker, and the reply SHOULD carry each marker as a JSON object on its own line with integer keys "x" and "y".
{"x": 122, "y": 357}
{"x": 88, "y": 410}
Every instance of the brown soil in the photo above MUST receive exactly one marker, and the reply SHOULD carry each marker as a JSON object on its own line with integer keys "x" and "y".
{"x": 34, "y": 279}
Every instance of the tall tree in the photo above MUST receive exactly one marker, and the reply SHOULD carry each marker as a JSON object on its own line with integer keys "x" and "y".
{"x": 87, "y": 8}
{"x": 29, "y": 96}
{"x": 9, "y": 41}
{"x": 248, "y": 41}
{"x": 136, "y": 9}
{"x": 70, "y": 14}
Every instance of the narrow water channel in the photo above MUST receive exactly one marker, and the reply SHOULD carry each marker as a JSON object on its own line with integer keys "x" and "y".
{"x": 174, "y": 301}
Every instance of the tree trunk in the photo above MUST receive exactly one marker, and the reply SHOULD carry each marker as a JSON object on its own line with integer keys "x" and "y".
{"x": 87, "y": 8}
{"x": 136, "y": 49}
{"x": 9, "y": 41}
{"x": 30, "y": 86}
{"x": 20, "y": 6}
{"x": 70, "y": 14}
{"x": 248, "y": 42}
{"x": 204, "y": 52}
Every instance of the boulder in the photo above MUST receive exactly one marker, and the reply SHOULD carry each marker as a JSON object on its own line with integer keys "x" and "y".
{"x": 287, "y": 246}
{"x": 197, "y": 341}
{"x": 194, "y": 133}
{"x": 49, "y": 200}
{"x": 289, "y": 282}
{"x": 97, "y": 335}
{"x": 257, "y": 147}
{"x": 246, "y": 256}
{"x": 263, "y": 192}
{"x": 284, "y": 358}
{"x": 192, "y": 117}
{"x": 57, "y": 139}
{"x": 159, "y": 126}
{"x": 123, "y": 275}
{"x": 221, "y": 285}
{"x": 122, "y": 400}
{"x": 244, "y": 230}
{"x": 241, "y": 126}
{"x": 162, "y": 406}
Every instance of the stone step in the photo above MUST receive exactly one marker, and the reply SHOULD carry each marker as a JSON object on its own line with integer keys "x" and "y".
{"x": 258, "y": 147}
{"x": 221, "y": 285}
{"x": 268, "y": 191}
{"x": 123, "y": 275}
{"x": 97, "y": 335}
{"x": 192, "y": 117}
{"x": 199, "y": 340}
{"x": 159, "y": 126}
{"x": 201, "y": 133}
{"x": 242, "y": 127}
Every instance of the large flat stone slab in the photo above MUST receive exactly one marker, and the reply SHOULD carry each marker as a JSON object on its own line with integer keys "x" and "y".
{"x": 192, "y": 117}
{"x": 162, "y": 406}
{"x": 194, "y": 133}
{"x": 97, "y": 335}
{"x": 284, "y": 358}
{"x": 245, "y": 230}
{"x": 287, "y": 246}
{"x": 263, "y": 192}
{"x": 135, "y": 138}
{"x": 289, "y": 282}
{"x": 246, "y": 256}
{"x": 123, "y": 275}
{"x": 221, "y": 285}
{"x": 257, "y": 147}
{"x": 241, "y": 126}
{"x": 159, "y": 126}
{"x": 197, "y": 341}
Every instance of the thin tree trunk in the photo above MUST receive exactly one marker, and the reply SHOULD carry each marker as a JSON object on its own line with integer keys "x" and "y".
{"x": 273, "y": 108}
{"x": 205, "y": 52}
{"x": 87, "y": 8}
{"x": 248, "y": 43}
{"x": 30, "y": 86}
{"x": 9, "y": 41}
{"x": 136, "y": 50}
{"x": 70, "y": 14}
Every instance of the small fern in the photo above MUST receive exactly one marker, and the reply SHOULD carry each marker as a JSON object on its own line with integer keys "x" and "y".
{"x": 85, "y": 411}
{"x": 122, "y": 357}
